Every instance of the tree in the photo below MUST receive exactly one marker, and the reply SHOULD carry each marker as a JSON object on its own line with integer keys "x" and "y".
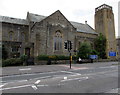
{"x": 84, "y": 50}
{"x": 100, "y": 46}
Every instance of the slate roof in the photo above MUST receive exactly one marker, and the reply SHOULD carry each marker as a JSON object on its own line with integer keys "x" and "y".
{"x": 36, "y": 17}
{"x": 85, "y": 28}
{"x": 13, "y": 20}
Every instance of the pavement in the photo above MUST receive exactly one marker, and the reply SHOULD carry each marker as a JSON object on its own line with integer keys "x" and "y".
{"x": 8, "y": 71}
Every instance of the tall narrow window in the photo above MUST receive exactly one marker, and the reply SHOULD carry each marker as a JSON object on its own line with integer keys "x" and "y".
{"x": 11, "y": 35}
{"x": 23, "y": 37}
{"x": 58, "y": 41}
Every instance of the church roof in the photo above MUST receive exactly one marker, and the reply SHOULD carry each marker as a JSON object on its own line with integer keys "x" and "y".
{"x": 36, "y": 17}
{"x": 13, "y": 20}
{"x": 85, "y": 28}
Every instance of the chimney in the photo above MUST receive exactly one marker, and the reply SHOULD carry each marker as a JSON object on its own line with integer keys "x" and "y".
{"x": 85, "y": 22}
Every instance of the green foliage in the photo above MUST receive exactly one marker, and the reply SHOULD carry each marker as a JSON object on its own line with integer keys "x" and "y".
{"x": 12, "y": 62}
{"x": 42, "y": 57}
{"x": 4, "y": 52}
{"x": 100, "y": 46}
{"x": 94, "y": 52}
{"x": 24, "y": 58}
{"x": 84, "y": 50}
{"x": 52, "y": 57}
{"x": 62, "y": 57}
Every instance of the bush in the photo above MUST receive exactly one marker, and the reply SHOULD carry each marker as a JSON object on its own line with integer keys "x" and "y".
{"x": 53, "y": 57}
{"x": 24, "y": 58}
{"x": 12, "y": 62}
{"x": 62, "y": 57}
{"x": 42, "y": 57}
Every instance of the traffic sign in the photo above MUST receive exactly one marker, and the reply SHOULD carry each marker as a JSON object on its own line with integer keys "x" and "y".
{"x": 111, "y": 53}
{"x": 93, "y": 56}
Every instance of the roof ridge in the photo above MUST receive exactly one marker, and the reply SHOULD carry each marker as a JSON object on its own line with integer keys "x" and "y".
{"x": 12, "y": 17}
{"x": 37, "y": 14}
{"x": 77, "y": 22}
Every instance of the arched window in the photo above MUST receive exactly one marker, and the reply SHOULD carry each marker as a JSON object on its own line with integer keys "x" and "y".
{"x": 23, "y": 36}
{"x": 58, "y": 41}
{"x": 11, "y": 35}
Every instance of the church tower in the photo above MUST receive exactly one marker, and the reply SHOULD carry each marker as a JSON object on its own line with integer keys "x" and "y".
{"x": 104, "y": 23}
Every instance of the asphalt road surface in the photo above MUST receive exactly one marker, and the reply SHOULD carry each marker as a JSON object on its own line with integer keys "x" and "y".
{"x": 101, "y": 79}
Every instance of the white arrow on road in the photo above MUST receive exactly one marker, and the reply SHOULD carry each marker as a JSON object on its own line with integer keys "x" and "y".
{"x": 34, "y": 87}
{"x": 37, "y": 82}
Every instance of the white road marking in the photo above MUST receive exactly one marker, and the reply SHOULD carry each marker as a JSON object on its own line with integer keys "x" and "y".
{"x": 40, "y": 77}
{"x": 34, "y": 87}
{"x": 65, "y": 78}
{"x": 15, "y": 87}
{"x": 24, "y": 69}
{"x": 42, "y": 85}
{"x": 70, "y": 79}
{"x": 71, "y": 72}
{"x": 1, "y": 85}
{"x": 74, "y": 79}
{"x": 30, "y": 74}
{"x": 15, "y": 81}
{"x": 37, "y": 82}
{"x": 116, "y": 90}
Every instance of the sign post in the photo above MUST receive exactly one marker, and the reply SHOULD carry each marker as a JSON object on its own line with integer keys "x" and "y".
{"x": 68, "y": 46}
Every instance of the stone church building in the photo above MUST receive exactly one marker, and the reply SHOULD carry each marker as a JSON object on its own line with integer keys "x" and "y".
{"x": 43, "y": 35}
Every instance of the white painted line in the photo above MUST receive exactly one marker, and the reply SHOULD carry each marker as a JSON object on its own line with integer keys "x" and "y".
{"x": 65, "y": 78}
{"x": 70, "y": 79}
{"x": 30, "y": 74}
{"x": 34, "y": 87}
{"x": 24, "y": 69}
{"x": 40, "y": 77}
{"x": 71, "y": 72}
{"x": 15, "y": 87}
{"x": 42, "y": 85}
{"x": 37, "y": 82}
{"x": 1, "y": 86}
{"x": 16, "y": 81}
{"x": 74, "y": 79}
{"x": 84, "y": 78}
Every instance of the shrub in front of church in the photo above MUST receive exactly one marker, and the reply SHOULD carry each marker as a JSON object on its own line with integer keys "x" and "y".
{"x": 12, "y": 62}
{"x": 42, "y": 57}
{"x": 52, "y": 57}
{"x": 24, "y": 59}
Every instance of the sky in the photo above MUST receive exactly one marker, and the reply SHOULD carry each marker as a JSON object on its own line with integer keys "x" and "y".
{"x": 74, "y": 10}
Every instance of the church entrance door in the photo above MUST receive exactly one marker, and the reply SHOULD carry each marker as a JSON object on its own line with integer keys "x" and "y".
{"x": 27, "y": 52}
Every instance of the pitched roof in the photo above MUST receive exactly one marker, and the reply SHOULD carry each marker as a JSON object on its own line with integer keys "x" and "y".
{"x": 36, "y": 17}
{"x": 85, "y": 28}
{"x": 13, "y": 20}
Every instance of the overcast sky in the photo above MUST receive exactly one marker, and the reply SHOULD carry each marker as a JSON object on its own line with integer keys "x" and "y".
{"x": 73, "y": 10}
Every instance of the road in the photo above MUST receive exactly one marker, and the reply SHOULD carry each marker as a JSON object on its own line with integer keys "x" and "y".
{"x": 92, "y": 79}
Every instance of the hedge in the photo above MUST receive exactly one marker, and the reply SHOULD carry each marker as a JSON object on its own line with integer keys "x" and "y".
{"x": 52, "y": 57}
{"x": 12, "y": 62}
